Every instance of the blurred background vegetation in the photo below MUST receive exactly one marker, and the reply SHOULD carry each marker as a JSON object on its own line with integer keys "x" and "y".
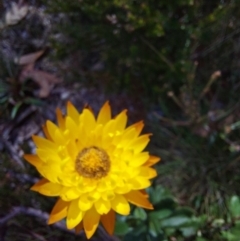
{"x": 174, "y": 64}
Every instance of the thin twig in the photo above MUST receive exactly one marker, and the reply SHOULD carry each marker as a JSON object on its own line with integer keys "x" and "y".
{"x": 45, "y": 216}
{"x": 160, "y": 55}
{"x": 12, "y": 152}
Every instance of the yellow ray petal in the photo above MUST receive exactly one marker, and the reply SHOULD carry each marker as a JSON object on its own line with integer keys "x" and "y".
{"x": 46, "y": 133}
{"x": 44, "y": 143}
{"x": 47, "y": 188}
{"x": 73, "y": 150}
{"x": 121, "y": 121}
{"x": 140, "y": 183}
{"x": 88, "y": 120}
{"x": 147, "y": 172}
{"x": 33, "y": 159}
{"x": 138, "y": 127}
{"x": 51, "y": 129}
{"x": 105, "y": 114}
{"x": 55, "y": 133}
{"x": 108, "y": 221}
{"x": 79, "y": 227}
{"x": 72, "y": 127}
{"x": 37, "y": 185}
{"x": 127, "y": 137}
{"x": 152, "y": 160}
{"x": 59, "y": 211}
{"x": 90, "y": 222}
{"x": 138, "y": 199}
{"x": 47, "y": 155}
{"x": 74, "y": 215}
{"x": 140, "y": 143}
{"x": 60, "y": 119}
{"x": 120, "y": 205}
{"x": 139, "y": 159}
{"x": 109, "y": 129}
{"x": 84, "y": 203}
{"x": 69, "y": 193}
{"x": 72, "y": 112}
{"x": 102, "y": 206}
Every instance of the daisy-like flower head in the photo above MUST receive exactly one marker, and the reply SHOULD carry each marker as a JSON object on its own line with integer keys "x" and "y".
{"x": 96, "y": 166}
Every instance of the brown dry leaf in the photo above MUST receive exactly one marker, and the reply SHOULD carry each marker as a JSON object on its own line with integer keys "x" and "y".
{"x": 45, "y": 80}
{"x": 29, "y": 58}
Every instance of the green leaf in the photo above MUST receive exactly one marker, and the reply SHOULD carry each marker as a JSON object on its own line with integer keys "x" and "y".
{"x": 176, "y": 221}
{"x": 15, "y": 110}
{"x": 188, "y": 231}
{"x": 140, "y": 213}
{"x": 234, "y": 206}
{"x": 160, "y": 214}
{"x": 122, "y": 228}
{"x": 153, "y": 229}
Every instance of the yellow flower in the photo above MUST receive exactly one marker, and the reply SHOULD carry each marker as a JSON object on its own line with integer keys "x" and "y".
{"x": 94, "y": 165}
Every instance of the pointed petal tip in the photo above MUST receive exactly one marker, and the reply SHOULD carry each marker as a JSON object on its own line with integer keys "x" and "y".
{"x": 50, "y": 220}
{"x": 69, "y": 103}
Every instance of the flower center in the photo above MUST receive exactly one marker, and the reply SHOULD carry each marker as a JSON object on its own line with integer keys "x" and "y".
{"x": 93, "y": 162}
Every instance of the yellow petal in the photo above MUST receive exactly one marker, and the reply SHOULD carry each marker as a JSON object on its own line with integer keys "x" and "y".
{"x": 139, "y": 126}
{"x": 72, "y": 112}
{"x": 72, "y": 150}
{"x": 139, "y": 159}
{"x": 47, "y": 155}
{"x": 105, "y": 114}
{"x": 88, "y": 120}
{"x": 127, "y": 137}
{"x": 121, "y": 121}
{"x": 138, "y": 199}
{"x": 60, "y": 119}
{"x": 140, "y": 183}
{"x": 74, "y": 215}
{"x": 33, "y": 159}
{"x": 59, "y": 211}
{"x": 47, "y": 188}
{"x": 147, "y": 172}
{"x": 51, "y": 128}
{"x": 37, "y": 185}
{"x": 55, "y": 133}
{"x": 46, "y": 133}
{"x": 69, "y": 193}
{"x": 120, "y": 205}
{"x": 84, "y": 203}
{"x": 72, "y": 127}
{"x": 90, "y": 222}
{"x": 108, "y": 221}
{"x": 44, "y": 143}
{"x": 140, "y": 143}
{"x": 152, "y": 160}
{"x": 102, "y": 206}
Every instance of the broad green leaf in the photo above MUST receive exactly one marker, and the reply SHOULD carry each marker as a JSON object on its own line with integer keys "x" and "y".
{"x": 161, "y": 214}
{"x": 234, "y": 206}
{"x": 122, "y": 228}
{"x": 140, "y": 213}
{"x": 177, "y": 221}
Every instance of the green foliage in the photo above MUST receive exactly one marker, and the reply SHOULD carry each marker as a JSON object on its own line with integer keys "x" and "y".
{"x": 170, "y": 221}
{"x": 167, "y": 220}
